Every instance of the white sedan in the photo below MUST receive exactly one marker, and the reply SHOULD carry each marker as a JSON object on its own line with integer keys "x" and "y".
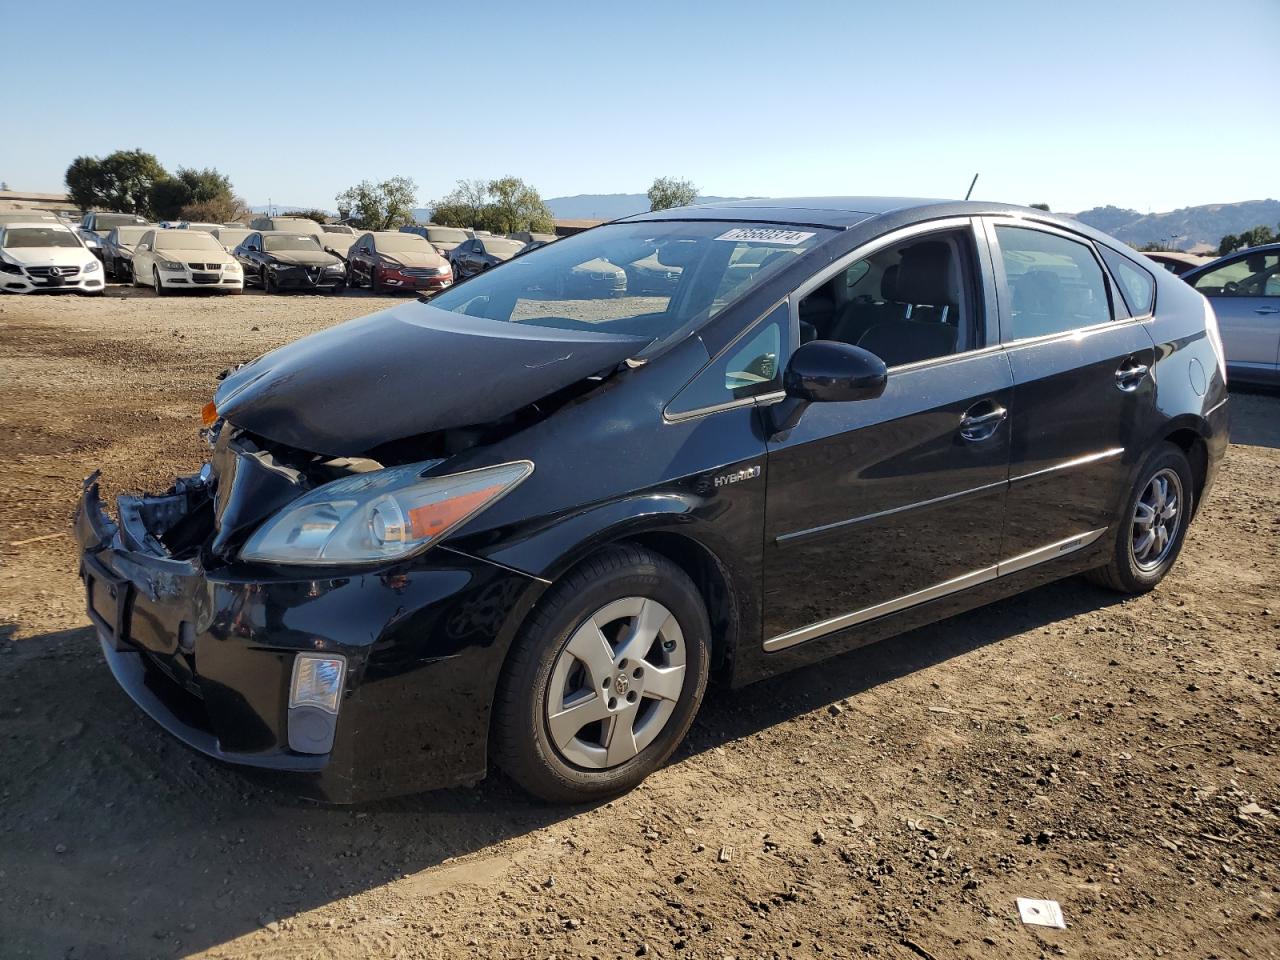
{"x": 170, "y": 260}
{"x": 39, "y": 256}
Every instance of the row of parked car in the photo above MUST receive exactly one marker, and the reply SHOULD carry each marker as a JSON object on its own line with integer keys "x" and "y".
{"x": 39, "y": 251}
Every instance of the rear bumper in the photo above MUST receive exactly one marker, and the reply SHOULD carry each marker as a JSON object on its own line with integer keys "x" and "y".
{"x": 209, "y": 656}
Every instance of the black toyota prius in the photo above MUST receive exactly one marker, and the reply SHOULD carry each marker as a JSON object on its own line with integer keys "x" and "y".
{"x": 515, "y": 527}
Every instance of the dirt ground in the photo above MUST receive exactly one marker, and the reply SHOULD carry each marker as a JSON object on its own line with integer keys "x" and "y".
{"x": 1119, "y": 756}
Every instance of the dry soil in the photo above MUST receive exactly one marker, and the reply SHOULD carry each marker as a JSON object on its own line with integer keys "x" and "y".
{"x": 1117, "y": 755}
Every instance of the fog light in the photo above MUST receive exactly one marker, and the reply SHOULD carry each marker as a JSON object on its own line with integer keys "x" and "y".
{"x": 317, "y": 681}
{"x": 313, "y": 702}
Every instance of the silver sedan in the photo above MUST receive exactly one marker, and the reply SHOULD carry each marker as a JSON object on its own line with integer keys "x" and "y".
{"x": 1244, "y": 288}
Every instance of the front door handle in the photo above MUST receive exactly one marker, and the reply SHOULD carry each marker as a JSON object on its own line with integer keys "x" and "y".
{"x": 1130, "y": 374}
{"x": 979, "y": 426}
{"x": 1267, "y": 310}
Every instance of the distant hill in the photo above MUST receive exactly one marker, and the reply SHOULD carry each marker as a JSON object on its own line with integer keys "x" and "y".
{"x": 1185, "y": 228}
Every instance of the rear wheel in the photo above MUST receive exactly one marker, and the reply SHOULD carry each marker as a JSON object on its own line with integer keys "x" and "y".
{"x": 605, "y": 679}
{"x": 1153, "y": 524}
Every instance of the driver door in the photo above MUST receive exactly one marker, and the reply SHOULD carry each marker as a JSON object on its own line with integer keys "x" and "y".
{"x": 876, "y": 506}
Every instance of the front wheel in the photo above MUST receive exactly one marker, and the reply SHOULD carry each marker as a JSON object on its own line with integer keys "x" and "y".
{"x": 1153, "y": 525}
{"x": 605, "y": 678}
{"x": 161, "y": 289}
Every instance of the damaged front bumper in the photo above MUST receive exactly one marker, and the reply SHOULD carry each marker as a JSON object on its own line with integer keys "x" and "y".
{"x": 209, "y": 653}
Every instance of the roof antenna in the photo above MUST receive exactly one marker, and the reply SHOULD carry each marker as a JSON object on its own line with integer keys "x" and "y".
{"x": 971, "y": 183}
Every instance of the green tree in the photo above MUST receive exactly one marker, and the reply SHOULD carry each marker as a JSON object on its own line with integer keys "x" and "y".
{"x": 516, "y": 206}
{"x": 1249, "y": 238}
{"x": 169, "y": 196}
{"x": 463, "y": 206}
{"x": 380, "y": 206}
{"x": 1041, "y": 206}
{"x": 668, "y": 192}
{"x": 505, "y": 205}
{"x": 120, "y": 181}
{"x": 228, "y": 209}
{"x": 319, "y": 216}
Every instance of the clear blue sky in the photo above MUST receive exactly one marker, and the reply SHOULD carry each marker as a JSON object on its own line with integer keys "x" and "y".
{"x": 1079, "y": 103}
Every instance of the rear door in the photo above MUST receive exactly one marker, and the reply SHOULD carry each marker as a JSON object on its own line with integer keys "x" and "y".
{"x": 875, "y": 506}
{"x": 1083, "y": 393}
{"x": 1245, "y": 293}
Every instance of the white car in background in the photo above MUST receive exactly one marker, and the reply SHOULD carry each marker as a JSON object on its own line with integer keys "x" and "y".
{"x": 38, "y": 256}
{"x": 170, "y": 260}
{"x": 230, "y": 237}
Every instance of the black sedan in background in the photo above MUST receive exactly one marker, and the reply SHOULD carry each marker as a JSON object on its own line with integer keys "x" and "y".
{"x": 504, "y": 526}
{"x": 277, "y": 260}
{"x": 478, "y": 255}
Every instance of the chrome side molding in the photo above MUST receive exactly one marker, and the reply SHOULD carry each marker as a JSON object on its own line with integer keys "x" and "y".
{"x": 1002, "y": 569}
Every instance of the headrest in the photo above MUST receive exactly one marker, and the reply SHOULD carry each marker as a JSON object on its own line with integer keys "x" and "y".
{"x": 889, "y": 284}
{"x": 1036, "y": 291}
{"x": 907, "y": 341}
{"x": 925, "y": 275}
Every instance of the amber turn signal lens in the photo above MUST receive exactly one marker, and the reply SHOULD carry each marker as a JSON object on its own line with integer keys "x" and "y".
{"x": 208, "y": 414}
{"x": 429, "y": 520}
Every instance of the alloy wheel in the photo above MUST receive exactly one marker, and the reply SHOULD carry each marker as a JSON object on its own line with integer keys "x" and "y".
{"x": 1156, "y": 518}
{"x": 616, "y": 683}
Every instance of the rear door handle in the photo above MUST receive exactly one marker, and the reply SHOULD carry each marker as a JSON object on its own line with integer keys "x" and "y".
{"x": 979, "y": 426}
{"x": 1130, "y": 375}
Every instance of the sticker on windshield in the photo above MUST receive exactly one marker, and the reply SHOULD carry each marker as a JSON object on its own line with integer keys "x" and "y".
{"x": 765, "y": 235}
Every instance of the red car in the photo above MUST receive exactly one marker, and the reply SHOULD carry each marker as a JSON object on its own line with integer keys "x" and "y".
{"x": 389, "y": 260}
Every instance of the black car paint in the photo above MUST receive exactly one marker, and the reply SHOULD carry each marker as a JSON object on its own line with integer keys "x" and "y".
{"x": 426, "y": 638}
{"x": 290, "y": 269}
{"x": 313, "y": 394}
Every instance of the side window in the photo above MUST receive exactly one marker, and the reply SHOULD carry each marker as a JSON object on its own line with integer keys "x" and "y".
{"x": 1055, "y": 284}
{"x": 749, "y": 366}
{"x": 909, "y": 301}
{"x": 1136, "y": 283}
{"x": 1254, "y": 275}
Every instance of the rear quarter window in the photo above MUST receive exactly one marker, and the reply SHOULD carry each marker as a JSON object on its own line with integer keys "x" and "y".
{"x": 1137, "y": 285}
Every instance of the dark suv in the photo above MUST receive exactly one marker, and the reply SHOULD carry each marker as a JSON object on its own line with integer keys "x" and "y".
{"x": 517, "y": 525}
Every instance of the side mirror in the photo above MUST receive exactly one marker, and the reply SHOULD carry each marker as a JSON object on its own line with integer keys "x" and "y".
{"x": 826, "y": 371}
{"x": 143, "y": 246}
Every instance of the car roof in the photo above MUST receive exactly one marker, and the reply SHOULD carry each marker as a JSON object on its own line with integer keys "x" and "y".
{"x": 834, "y": 212}
{"x": 1190, "y": 275}
{"x": 39, "y": 224}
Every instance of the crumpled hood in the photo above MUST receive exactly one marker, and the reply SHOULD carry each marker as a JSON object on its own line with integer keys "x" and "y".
{"x": 408, "y": 370}
{"x": 303, "y": 258}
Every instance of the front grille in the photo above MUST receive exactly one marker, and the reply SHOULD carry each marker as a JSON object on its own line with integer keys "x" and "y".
{"x": 205, "y": 277}
{"x": 418, "y": 272}
{"x": 205, "y": 266}
{"x": 44, "y": 271}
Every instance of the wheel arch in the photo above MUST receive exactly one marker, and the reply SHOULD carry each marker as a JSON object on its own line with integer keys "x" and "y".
{"x": 1192, "y": 443}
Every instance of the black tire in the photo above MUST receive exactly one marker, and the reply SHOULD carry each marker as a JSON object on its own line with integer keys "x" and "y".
{"x": 161, "y": 289}
{"x": 522, "y": 744}
{"x": 1123, "y": 572}
{"x": 338, "y": 289}
{"x": 268, "y": 283}
{"x": 374, "y": 287}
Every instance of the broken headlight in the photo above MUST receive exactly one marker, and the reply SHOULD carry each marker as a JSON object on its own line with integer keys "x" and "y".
{"x": 379, "y": 516}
